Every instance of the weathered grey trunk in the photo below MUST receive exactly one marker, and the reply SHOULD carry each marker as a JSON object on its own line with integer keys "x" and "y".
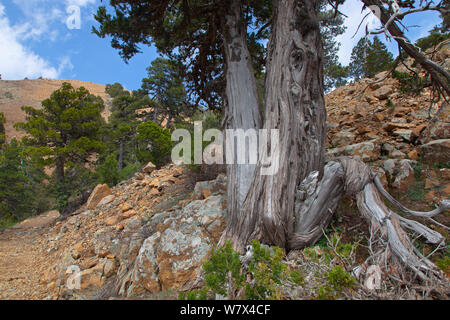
{"x": 242, "y": 110}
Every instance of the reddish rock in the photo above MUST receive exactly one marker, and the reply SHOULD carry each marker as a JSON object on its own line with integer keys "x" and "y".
{"x": 101, "y": 191}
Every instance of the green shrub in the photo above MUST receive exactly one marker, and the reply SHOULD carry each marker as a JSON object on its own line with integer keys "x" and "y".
{"x": 417, "y": 191}
{"x": 223, "y": 261}
{"x": 225, "y": 274}
{"x": 108, "y": 171}
{"x": 127, "y": 172}
{"x": 337, "y": 280}
{"x": 444, "y": 264}
{"x": 411, "y": 84}
{"x": 193, "y": 295}
{"x": 8, "y": 95}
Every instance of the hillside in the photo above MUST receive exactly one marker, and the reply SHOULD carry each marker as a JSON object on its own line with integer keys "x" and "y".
{"x": 14, "y": 94}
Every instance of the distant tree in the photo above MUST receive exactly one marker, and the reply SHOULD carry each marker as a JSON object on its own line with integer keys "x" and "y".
{"x": 335, "y": 75}
{"x": 154, "y": 143}
{"x": 120, "y": 133}
{"x": 64, "y": 133}
{"x": 435, "y": 36}
{"x": 21, "y": 192}
{"x": 331, "y": 26}
{"x": 108, "y": 171}
{"x": 165, "y": 85}
{"x": 369, "y": 58}
{"x": 115, "y": 90}
{"x": 2, "y": 128}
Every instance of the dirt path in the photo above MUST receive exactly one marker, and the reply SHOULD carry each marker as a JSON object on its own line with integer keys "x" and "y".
{"x": 22, "y": 260}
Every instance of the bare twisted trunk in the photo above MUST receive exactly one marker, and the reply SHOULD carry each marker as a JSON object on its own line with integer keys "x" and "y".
{"x": 242, "y": 110}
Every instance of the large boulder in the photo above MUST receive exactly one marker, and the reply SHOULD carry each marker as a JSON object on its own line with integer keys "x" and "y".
{"x": 101, "y": 191}
{"x": 343, "y": 137}
{"x": 204, "y": 189}
{"x": 149, "y": 168}
{"x": 366, "y": 151}
{"x": 384, "y": 92}
{"x": 172, "y": 256}
{"x": 439, "y": 128}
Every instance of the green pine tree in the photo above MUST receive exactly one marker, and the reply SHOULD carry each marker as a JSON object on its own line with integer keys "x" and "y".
{"x": 20, "y": 184}
{"x": 165, "y": 85}
{"x": 64, "y": 133}
{"x": 154, "y": 143}
{"x": 369, "y": 58}
{"x": 331, "y": 26}
{"x": 119, "y": 134}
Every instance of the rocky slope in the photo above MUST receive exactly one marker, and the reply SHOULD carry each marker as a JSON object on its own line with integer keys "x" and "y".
{"x": 146, "y": 235}
{"x": 14, "y": 94}
{"x": 394, "y": 132}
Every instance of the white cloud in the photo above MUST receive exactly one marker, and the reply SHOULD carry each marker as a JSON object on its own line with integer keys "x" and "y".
{"x": 80, "y": 3}
{"x": 39, "y": 18}
{"x": 16, "y": 60}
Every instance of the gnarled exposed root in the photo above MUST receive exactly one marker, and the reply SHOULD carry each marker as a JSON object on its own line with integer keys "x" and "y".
{"x": 382, "y": 218}
{"x": 317, "y": 200}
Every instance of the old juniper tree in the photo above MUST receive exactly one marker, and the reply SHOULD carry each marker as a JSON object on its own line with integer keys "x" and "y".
{"x": 64, "y": 133}
{"x": 291, "y": 208}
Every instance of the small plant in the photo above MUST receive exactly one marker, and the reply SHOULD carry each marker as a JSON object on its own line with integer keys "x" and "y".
{"x": 340, "y": 279}
{"x": 411, "y": 84}
{"x": 418, "y": 168}
{"x": 193, "y": 295}
{"x": 417, "y": 191}
{"x": 8, "y": 95}
{"x": 389, "y": 104}
{"x": 444, "y": 264}
{"x": 223, "y": 269}
{"x": 337, "y": 280}
{"x": 265, "y": 276}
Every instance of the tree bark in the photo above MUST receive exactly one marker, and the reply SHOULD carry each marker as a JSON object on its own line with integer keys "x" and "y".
{"x": 59, "y": 162}
{"x": 242, "y": 111}
{"x": 121, "y": 154}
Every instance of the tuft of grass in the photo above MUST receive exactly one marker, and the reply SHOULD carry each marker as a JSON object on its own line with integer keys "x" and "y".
{"x": 417, "y": 191}
{"x": 444, "y": 264}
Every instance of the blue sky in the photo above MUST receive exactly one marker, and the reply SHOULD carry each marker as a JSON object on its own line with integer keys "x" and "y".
{"x": 35, "y": 41}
